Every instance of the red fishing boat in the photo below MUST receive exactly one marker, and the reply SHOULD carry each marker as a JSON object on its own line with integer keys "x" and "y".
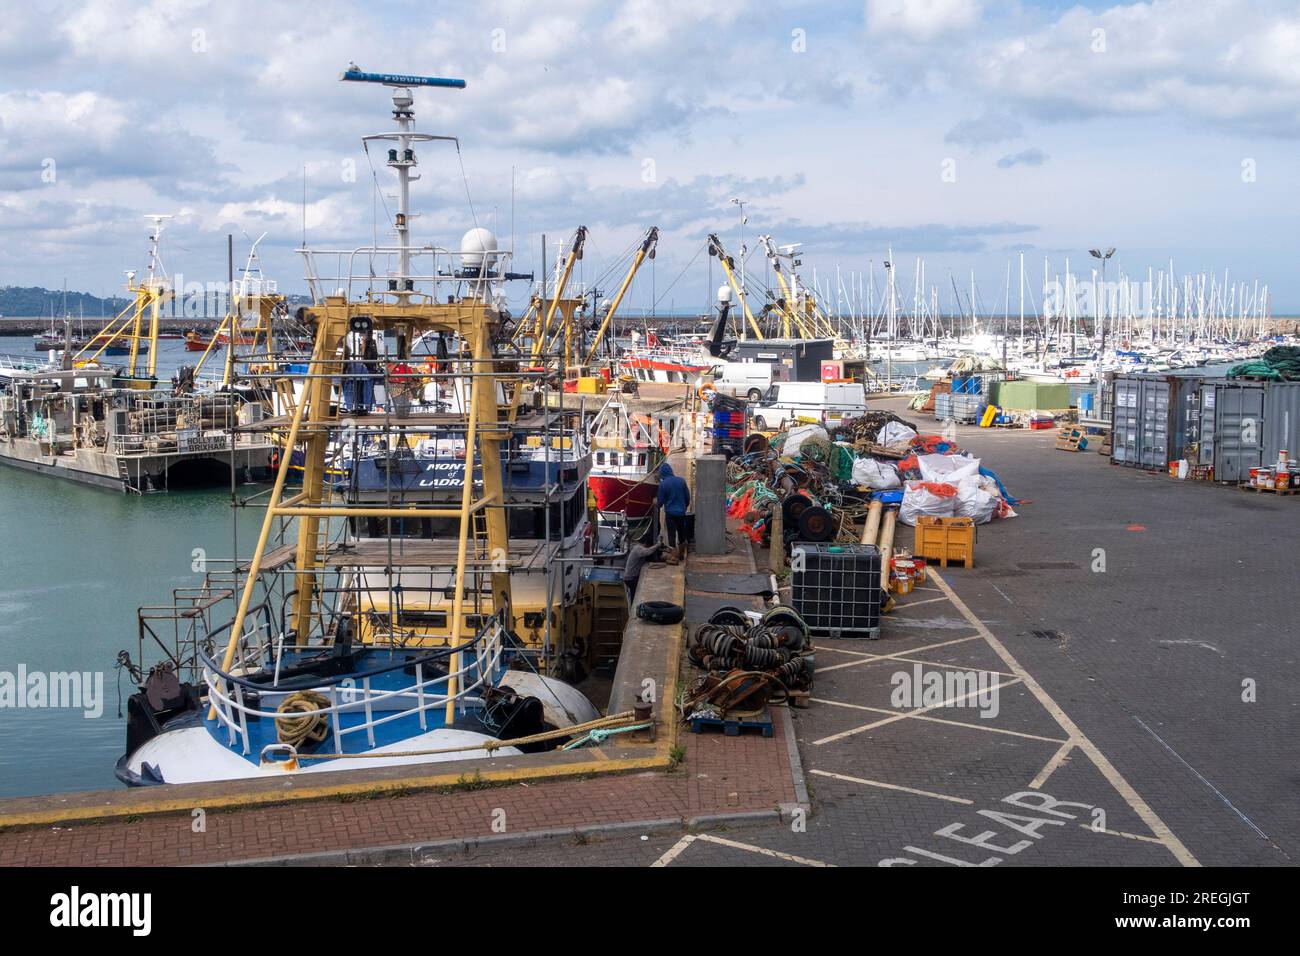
{"x": 626, "y": 451}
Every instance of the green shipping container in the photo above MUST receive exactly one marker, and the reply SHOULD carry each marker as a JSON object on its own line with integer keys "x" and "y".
{"x": 1027, "y": 396}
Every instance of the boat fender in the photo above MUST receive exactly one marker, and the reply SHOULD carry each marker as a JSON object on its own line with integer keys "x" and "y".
{"x": 660, "y": 612}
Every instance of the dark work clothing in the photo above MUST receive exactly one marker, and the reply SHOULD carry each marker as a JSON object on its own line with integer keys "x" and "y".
{"x": 676, "y": 529}
{"x": 674, "y": 495}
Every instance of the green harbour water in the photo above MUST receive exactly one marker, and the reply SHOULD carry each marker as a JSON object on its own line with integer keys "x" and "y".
{"x": 77, "y": 563}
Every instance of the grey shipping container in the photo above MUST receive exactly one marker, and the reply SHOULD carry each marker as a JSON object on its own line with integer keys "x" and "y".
{"x": 1247, "y": 425}
{"x": 1154, "y": 418}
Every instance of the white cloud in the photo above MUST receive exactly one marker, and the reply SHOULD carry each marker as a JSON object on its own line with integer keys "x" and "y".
{"x": 1234, "y": 62}
{"x": 921, "y": 19}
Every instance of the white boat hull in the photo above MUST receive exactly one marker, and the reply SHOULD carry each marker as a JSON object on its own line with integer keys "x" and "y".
{"x": 192, "y": 755}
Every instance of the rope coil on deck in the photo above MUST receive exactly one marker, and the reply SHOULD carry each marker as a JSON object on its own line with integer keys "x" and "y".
{"x": 309, "y": 725}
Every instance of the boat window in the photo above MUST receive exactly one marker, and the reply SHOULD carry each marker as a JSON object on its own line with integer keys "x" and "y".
{"x": 422, "y": 618}
{"x": 600, "y": 458}
{"x": 641, "y": 460}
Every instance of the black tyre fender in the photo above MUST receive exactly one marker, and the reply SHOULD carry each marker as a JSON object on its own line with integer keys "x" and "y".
{"x": 660, "y": 612}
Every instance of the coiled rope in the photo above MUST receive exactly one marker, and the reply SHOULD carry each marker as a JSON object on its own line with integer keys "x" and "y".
{"x": 309, "y": 724}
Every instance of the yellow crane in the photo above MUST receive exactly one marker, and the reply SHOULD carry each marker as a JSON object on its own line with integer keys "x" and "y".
{"x": 729, "y": 267}
{"x": 799, "y": 307}
{"x": 646, "y": 251}
{"x": 149, "y": 296}
{"x": 544, "y": 322}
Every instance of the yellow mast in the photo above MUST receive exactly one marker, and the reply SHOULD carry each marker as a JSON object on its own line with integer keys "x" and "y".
{"x": 647, "y": 250}
{"x": 575, "y": 253}
{"x": 149, "y": 294}
{"x": 316, "y": 417}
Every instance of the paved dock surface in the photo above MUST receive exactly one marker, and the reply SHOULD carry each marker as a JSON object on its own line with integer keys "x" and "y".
{"x": 1139, "y": 635}
{"x": 1126, "y": 618}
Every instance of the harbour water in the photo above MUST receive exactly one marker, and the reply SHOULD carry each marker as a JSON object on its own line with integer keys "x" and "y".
{"x": 78, "y": 563}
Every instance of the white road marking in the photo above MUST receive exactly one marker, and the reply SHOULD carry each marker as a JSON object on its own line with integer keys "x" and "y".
{"x": 1052, "y": 765}
{"x": 892, "y": 786}
{"x": 940, "y": 720}
{"x": 1121, "y": 833}
{"x": 912, "y": 713}
{"x": 1108, "y": 770}
{"x": 677, "y": 848}
{"x": 868, "y": 658}
{"x": 912, "y": 604}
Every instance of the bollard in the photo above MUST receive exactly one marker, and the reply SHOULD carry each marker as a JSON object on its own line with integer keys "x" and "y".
{"x": 710, "y": 504}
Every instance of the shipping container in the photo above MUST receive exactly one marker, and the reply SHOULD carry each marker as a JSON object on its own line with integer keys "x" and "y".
{"x": 1155, "y": 419}
{"x": 1247, "y": 425}
{"x": 1031, "y": 396}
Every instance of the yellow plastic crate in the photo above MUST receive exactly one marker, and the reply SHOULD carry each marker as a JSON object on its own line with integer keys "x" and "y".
{"x": 946, "y": 539}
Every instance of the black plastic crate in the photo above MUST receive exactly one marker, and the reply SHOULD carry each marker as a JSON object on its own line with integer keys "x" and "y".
{"x": 836, "y": 588}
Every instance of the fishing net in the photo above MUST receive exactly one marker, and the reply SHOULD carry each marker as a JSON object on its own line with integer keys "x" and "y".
{"x": 1279, "y": 364}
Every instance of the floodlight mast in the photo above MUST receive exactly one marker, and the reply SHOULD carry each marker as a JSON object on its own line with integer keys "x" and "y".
{"x": 402, "y": 159}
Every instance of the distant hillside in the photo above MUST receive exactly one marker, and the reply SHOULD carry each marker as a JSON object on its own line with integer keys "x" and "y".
{"x": 35, "y": 301}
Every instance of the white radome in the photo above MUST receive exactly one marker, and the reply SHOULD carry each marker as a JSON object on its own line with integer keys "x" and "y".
{"x": 478, "y": 249}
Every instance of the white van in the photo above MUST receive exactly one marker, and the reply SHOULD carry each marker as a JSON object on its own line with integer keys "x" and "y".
{"x": 828, "y": 403}
{"x": 747, "y": 380}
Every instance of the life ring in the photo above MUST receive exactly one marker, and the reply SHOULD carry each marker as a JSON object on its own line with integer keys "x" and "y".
{"x": 705, "y": 390}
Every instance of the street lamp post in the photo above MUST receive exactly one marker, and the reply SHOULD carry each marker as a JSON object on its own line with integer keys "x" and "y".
{"x": 1101, "y": 320}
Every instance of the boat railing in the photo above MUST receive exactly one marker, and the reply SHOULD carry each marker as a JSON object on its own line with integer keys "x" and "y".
{"x": 21, "y": 363}
{"x": 369, "y": 272}
{"x": 238, "y": 701}
{"x": 159, "y": 422}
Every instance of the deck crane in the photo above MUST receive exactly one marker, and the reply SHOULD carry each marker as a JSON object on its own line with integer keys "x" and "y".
{"x": 646, "y": 251}
{"x": 150, "y": 296}
{"x": 544, "y": 322}
{"x": 728, "y": 267}
{"x": 798, "y": 305}
{"x": 786, "y": 303}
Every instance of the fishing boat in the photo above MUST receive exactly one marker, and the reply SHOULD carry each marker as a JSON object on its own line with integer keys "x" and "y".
{"x": 119, "y": 428}
{"x": 415, "y": 611}
{"x": 627, "y": 449}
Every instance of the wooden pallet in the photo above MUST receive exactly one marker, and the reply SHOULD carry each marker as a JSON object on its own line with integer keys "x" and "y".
{"x": 1071, "y": 439}
{"x": 1270, "y": 491}
{"x": 732, "y": 726}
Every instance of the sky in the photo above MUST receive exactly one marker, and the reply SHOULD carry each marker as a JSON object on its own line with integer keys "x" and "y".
{"x": 957, "y": 132}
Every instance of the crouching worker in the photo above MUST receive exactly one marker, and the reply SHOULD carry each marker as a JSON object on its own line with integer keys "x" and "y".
{"x": 637, "y": 556}
{"x": 675, "y": 498}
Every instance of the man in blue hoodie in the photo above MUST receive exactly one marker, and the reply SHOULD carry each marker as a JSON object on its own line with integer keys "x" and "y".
{"x": 675, "y": 498}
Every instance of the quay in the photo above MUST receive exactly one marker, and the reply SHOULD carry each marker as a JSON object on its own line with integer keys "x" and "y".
{"x": 1121, "y": 704}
